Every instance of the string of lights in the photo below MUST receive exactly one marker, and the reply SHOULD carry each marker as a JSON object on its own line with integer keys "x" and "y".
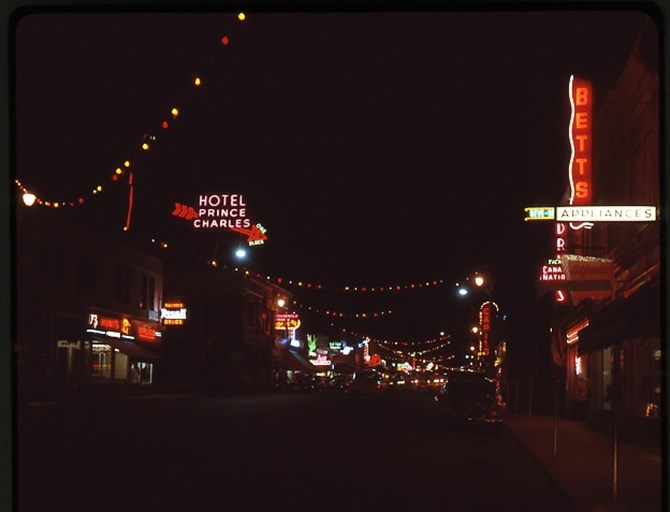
{"x": 341, "y": 314}
{"x": 362, "y": 289}
{"x": 416, "y": 285}
{"x": 31, "y": 197}
{"x": 402, "y": 346}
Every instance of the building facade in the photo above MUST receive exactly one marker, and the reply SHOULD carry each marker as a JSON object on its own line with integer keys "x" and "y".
{"x": 226, "y": 339}
{"x": 611, "y": 340}
{"x": 87, "y": 310}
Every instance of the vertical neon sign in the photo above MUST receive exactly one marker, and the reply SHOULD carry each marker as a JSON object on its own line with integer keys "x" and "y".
{"x": 581, "y": 123}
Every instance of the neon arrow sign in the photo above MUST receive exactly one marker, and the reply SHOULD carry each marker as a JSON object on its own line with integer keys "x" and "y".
{"x": 256, "y": 234}
{"x": 222, "y": 211}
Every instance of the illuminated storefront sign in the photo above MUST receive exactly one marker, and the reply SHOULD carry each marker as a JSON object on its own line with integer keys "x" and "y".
{"x": 485, "y": 326}
{"x": 539, "y": 213}
{"x": 552, "y": 271}
{"x": 581, "y": 103}
{"x": 560, "y": 248}
{"x": 606, "y": 213}
{"x": 122, "y": 328}
{"x": 221, "y": 211}
{"x": 173, "y": 313}
{"x": 287, "y": 321}
{"x": 145, "y": 331}
{"x": 321, "y": 360}
{"x": 592, "y": 213}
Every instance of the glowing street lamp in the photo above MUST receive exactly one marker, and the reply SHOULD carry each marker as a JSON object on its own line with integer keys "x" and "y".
{"x": 29, "y": 199}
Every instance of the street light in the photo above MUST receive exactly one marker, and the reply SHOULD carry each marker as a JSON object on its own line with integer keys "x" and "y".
{"x": 28, "y": 198}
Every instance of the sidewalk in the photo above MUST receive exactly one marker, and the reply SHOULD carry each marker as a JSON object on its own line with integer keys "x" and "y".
{"x": 583, "y": 464}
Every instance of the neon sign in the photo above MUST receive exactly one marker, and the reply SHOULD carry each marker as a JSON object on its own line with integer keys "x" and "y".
{"x": 606, "y": 213}
{"x": 579, "y": 172}
{"x": 321, "y": 360}
{"x": 539, "y": 213}
{"x": 121, "y": 328}
{"x": 173, "y": 313}
{"x": 222, "y": 211}
{"x": 485, "y": 322}
{"x": 145, "y": 331}
{"x": 287, "y": 321}
{"x": 553, "y": 271}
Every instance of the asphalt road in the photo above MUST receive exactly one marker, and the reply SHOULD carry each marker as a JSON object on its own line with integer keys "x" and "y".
{"x": 298, "y": 452}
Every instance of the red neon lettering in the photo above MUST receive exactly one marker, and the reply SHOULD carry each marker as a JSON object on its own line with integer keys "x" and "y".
{"x": 582, "y": 189}
{"x": 580, "y": 169}
{"x": 582, "y": 120}
{"x": 112, "y": 324}
{"x": 582, "y": 140}
{"x": 581, "y": 96}
{"x": 581, "y": 165}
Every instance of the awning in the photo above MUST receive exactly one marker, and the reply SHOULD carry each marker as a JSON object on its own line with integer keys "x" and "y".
{"x": 637, "y": 316}
{"x": 133, "y": 350}
{"x": 589, "y": 277}
{"x": 294, "y": 361}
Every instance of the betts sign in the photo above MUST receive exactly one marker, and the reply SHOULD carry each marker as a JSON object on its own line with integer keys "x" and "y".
{"x": 581, "y": 102}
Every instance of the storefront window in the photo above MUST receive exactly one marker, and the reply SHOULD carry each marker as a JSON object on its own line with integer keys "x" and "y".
{"x": 120, "y": 365}
{"x": 146, "y": 372}
{"x": 101, "y": 360}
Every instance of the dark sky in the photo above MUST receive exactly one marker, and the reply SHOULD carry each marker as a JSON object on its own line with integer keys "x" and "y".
{"x": 376, "y": 148}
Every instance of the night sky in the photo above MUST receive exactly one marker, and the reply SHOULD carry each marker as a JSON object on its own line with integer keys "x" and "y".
{"x": 376, "y": 148}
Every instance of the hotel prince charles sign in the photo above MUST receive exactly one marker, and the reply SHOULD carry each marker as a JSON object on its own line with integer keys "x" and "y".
{"x": 222, "y": 211}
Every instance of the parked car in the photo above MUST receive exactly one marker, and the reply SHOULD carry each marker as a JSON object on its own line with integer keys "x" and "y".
{"x": 365, "y": 384}
{"x": 470, "y": 397}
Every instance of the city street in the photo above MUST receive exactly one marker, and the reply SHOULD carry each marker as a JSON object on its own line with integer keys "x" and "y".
{"x": 220, "y": 220}
{"x": 280, "y": 451}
